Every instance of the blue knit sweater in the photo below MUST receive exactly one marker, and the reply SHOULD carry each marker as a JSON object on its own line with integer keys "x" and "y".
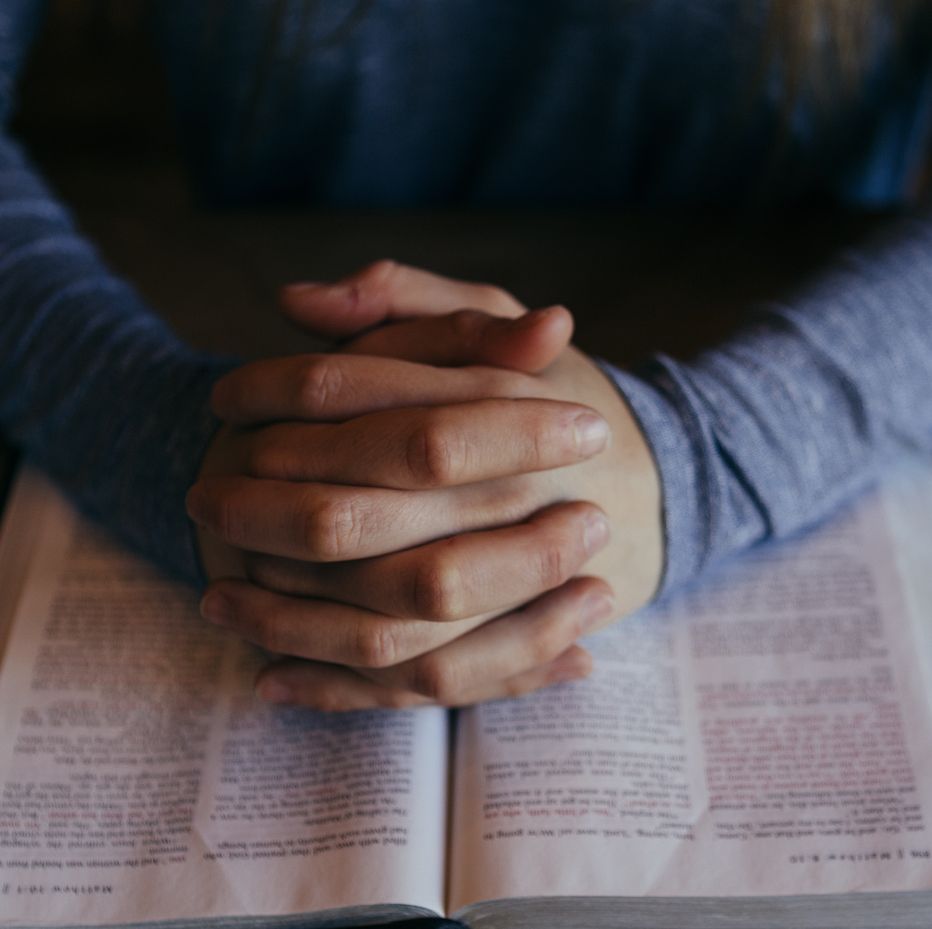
{"x": 624, "y": 102}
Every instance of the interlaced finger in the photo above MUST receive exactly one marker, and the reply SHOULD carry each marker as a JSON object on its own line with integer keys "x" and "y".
{"x": 328, "y": 388}
{"x": 386, "y": 291}
{"x": 466, "y": 575}
{"x": 333, "y": 522}
{"x": 425, "y": 447}
{"x": 471, "y": 337}
{"x": 322, "y": 630}
{"x": 332, "y": 688}
{"x": 511, "y": 644}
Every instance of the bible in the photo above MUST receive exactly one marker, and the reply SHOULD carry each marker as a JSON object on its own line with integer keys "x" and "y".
{"x": 755, "y": 751}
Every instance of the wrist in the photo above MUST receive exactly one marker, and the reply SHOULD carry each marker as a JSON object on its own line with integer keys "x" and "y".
{"x": 671, "y": 442}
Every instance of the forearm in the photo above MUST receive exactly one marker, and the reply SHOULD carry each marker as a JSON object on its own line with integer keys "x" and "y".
{"x": 95, "y": 388}
{"x": 773, "y": 429}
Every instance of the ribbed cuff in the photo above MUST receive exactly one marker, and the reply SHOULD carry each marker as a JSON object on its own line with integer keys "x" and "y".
{"x": 134, "y": 473}
{"x": 179, "y": 429}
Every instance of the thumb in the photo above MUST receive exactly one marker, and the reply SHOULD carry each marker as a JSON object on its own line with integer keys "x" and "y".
{"x": 470, "y": 337}
{"x": 384, "y": 292}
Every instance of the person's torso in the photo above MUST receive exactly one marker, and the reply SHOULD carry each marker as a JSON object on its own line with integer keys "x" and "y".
{"x": 632, "y": 102}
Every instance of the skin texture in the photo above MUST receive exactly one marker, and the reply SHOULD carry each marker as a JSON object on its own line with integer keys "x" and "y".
{"x": 434, "y": 514}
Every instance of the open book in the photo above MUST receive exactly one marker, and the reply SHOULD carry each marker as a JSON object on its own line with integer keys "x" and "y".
{"x": 756, "y": 752}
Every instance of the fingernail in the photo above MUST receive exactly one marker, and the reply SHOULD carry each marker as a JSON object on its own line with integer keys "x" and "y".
{"x": 271, "y": 690}
{"x": 596, "y": 532}
{"x": 215, "y": 608}
{"x": 595, "y": 609}
{"x": 590, "y": 433}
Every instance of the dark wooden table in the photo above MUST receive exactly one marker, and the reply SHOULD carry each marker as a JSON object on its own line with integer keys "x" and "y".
{"x": 637, "y": 283}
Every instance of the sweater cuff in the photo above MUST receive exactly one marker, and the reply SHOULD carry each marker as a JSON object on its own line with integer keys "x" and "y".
{"x": 132, "y": 472}
{"x": 180, "y": 426}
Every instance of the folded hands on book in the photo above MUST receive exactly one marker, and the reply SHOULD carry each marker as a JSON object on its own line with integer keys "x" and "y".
{"x": 433, "y": 513}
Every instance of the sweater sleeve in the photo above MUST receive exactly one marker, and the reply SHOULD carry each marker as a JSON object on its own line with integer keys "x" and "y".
{"x": 94, "y": 388}
{"x": 771, "y": 430}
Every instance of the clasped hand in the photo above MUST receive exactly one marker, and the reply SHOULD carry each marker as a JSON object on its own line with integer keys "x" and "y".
{"x": 410, "y": 516}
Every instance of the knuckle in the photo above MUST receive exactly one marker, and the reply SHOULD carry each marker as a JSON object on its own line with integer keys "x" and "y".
{"x": 540, "y": 449}
{"x": 376, "y": 645}
{"x": 436, "y": 678}
{"x": 322, "y": 381}
{"x": 231, "y": 523}
{"x": 331, "y": 529}
{"x": 438, "y": 589}
{"x": 552, "y": 563}
{"x": 435, "y": 454}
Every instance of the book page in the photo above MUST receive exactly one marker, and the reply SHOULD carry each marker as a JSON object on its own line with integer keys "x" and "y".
{"x": 140, "y": 779}
{"x": 767, "y": 732}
